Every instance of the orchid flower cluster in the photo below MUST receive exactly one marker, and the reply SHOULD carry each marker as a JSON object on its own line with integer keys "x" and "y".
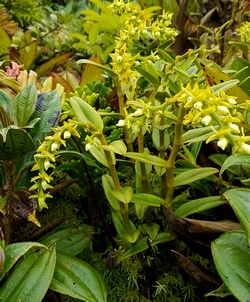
{"x": 139, "y": 25}
{"x": 45, "y": 157}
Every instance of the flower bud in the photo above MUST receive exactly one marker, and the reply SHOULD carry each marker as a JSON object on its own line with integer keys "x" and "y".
{"x": 206, "y": 120}
{"x": 121, "y": 123}
{"x": 235, "y": 128}
{"x": 119, "y": 59}
{"x": 66, "y": 134}
{"x": 223, "y": 109}
{"x": 222, "y": 143}
{"x": 246, "y": 148}
{"x": 198, "y": 105}
{"x": 232, "y": 101}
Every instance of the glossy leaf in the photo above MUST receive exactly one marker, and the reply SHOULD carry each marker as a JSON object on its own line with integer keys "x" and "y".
{"x": 78, "y": 279}
{"x": 197, "y": 135}
{"x": 147, "y": 199}
{"x": 239, "y": 201}
{"x": 108, "y": 187}
{"x": 70, "y": 241}
{"x": 116, "y": 146}
{"x": 30, "y": 279}
{"x": 231, "y": 257}
{"x": 147, "y": 159}
{"x": 237, "y": 159}
{"x": 150, "y": 74}
{"x": 23, "y": 105}
{"x": 199, "y": 205}
{"x": 85, "y": 113}
{"x": 192, "y": 175}
{"x": 124, "y": 195}
{"x": 14, "y": 251}
{"x": 5, "y": 101}
{"x": 14, "y": 143}
{"x": 48, "y": 108}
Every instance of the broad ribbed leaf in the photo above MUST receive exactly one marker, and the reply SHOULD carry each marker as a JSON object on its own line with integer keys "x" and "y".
{"x": 70, "y": 241}
{"x": 23, "y": 105}
{"x": 14, "y": 143}
{"x": 15, "y": 251}
{"x": 193, "y": 175}
{"x": 231, "y": 256}
{"x": 48, "y": 108}
{"x": 78, "y": 279}
{"x": 240, "y": 202}
{"x": 5, "y": 101}
{"x": 199, "y": 205}
{"x": 30, "y": 279}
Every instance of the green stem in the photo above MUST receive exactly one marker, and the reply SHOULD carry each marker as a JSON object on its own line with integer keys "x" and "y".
{"x": 121, "y": 100}
{"x": 142, "y": 165}
{"x": 113, "y": 173}
{"x": 162, "y": 152}
{"x": 172, "y": 157}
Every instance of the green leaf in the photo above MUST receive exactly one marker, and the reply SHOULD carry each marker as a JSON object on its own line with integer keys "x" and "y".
{"x": 147, "y": 199}
{"x": 28, "y": 50}
{"x": 239, "y": 201}
{"x": 152, "y": 229}
{"x": 89, "y": 161}
{"x": 5, "y": 101}
{"x": 99, "y": 155}
{"x": 237, "y": 159}
{"x": 78, "y": 279}
{"x": 243, "y": 66}
{"x": 15, "y": 251}
{"x": 30, "y": 279}
{"x": 150, "y": 74}
{"x": 109, "y": 186}
{"x": 14, "y": 143}
{"x": 231, "y": 257}
{"x": 199, "y": 205}
{"x": 24, "y": 105}
{"x": 49, "y": 112}
{"x": 118, "y": 223}
{"x": 197, "y": 135}
{"x": 225, "y": 85}
{"x": 105, "y": 68}
{"x": 86, "y": 114}
{"x": 116, "y": 146}
{"x": 193, "y": 175}
{"x": 124, "y": 195}
{"x": 70, "y": 241}
{"x": 5, "y": 41}
{"x": 147, "y": 159}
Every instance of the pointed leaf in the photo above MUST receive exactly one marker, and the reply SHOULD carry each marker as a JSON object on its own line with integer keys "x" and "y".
{"x": 108, "y": 187}
{"x": 78, "y": 279}
{"x": 85, "y": 113}
{"x": 70, "y": 241}
{"x": 193, "y": 175}
{"x": 231, "y": 257}
{"x": 197, "y": 135}
{"x": 91, "y": 73}
{"x": 23, "y": 105}
{"x": 237, "y": 159}
{"x": 147, "y": 199}
{"x": 30, "y": 279}
{"x": 239, "y": 201}
{"x": 116, "y": 146}
{"x": 199, "y": 205}
{"x": 147, "y": 159}
{"x": 14, "y": 143}
{"x": 125, "y": 195}
{"x": 15, "y": 251}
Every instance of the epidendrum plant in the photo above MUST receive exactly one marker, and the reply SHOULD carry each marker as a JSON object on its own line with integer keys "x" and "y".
{"x": 167, "y": 110}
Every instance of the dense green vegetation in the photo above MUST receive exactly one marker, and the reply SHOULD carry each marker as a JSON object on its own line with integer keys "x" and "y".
{"x": 124, "y": 151}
